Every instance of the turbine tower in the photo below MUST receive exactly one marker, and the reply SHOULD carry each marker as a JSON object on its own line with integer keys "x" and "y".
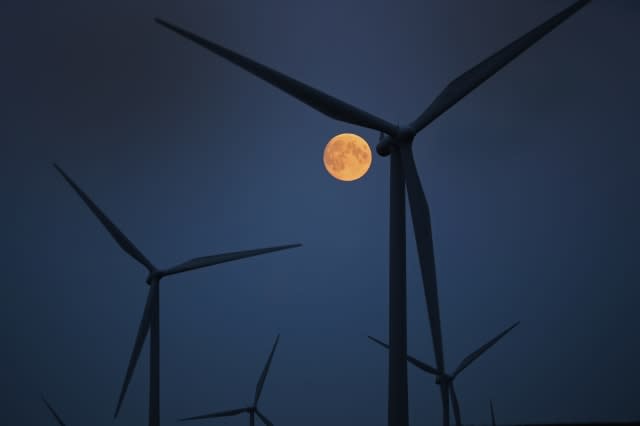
{"x": 444, "y": 380}
{"x": 252, "y": 409}
{"x": 396, "y": 142}
{"x": 493, "y": 414}
{"x": 150, "y": 323}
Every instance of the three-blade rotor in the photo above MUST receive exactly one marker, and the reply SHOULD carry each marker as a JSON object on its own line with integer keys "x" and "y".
{"x": 445, "y": 380}
{"x": 468, "y": 360}
{"x": 155, "y": 275}
{"x": 254, "y": 408}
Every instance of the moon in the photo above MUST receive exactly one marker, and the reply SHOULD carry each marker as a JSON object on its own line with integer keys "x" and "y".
{"x": 347, "y": 157}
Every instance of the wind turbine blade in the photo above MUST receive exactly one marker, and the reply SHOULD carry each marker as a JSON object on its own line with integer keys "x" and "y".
{"x": 456, "y": 406}
{"x": 493, "y": 415}
{"x": 143, "y": 330}
{"x": 203, "y": 262}
{"x": 264, "y": 419}
{"x": 421, "y": 219}
{"x": 117, "y": 235}
{"x": 265, "y": 371}
{"x": 316, "y": 99}
{"x": 416, "y": 362}
{"x": 218, "y": 414}
{"x": 465, "y": 83}
{"x": 53, "y": 412}
{"x": 474, "y": 355}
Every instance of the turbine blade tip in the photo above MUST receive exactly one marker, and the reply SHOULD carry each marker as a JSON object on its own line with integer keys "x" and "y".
{"x": 115, "y": 414}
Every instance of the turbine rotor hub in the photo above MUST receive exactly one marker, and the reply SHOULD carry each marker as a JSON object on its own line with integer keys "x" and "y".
{"x": 388, "y": 143}
{"x": 443, "y": 378}
{"x": 405, "y": 135}
{"x": 153, "y": 277}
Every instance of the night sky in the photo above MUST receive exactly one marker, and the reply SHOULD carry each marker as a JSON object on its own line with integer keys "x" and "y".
{"x": 532, "y": 181}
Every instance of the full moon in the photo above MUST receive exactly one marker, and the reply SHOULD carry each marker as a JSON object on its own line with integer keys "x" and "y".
{"x": 347, "y": 157}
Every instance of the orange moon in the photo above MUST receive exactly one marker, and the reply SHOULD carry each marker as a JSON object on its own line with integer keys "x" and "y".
{"x": 347, "y": 157}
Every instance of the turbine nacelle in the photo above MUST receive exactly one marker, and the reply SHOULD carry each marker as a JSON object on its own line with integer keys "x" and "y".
{"x": 386, "y": 143}
{"x": 153, "y": 277}
{"x": 443, "y": 378}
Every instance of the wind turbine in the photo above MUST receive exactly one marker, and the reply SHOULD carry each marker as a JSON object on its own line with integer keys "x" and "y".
{"x": 252, "y": 409}
{"x": 150, "y": 323}
{"x": 446, "y": 380}
{"x": 52, "y": 411}
{"x": 395, "y": 141}
{"x": 493, "y": 415}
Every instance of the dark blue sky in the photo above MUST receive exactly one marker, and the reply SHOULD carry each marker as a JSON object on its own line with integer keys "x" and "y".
{"x": 532, "y": 181}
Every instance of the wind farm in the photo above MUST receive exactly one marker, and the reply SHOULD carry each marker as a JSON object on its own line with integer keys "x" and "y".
{"x": 396, "y": 141}
{"x": 520, "y": 189}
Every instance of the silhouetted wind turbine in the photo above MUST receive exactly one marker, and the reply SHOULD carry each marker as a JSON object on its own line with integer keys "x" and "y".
{"x": 395, "y": 140}
{"x": 252, "y": 409}
{"x": 52, "y": 411}
{"x": 446, "y": 380}
{"x": 493, "y": 415}
{"x": 150, "y": 318}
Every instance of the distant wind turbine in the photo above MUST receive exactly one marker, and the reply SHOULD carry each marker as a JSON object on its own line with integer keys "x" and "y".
{"x": 252, "y": 409}
{"x": 396, "y": 141}
{"x": 493, "y": 415}
{"x": 53, "y": 412}
{"x": 446, "y": 380}
{"x": 151, "y": 316}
